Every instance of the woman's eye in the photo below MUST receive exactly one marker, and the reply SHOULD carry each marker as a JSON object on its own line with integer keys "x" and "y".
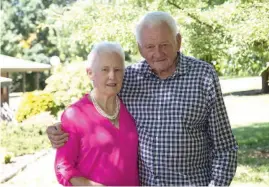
{"x": 117, "y": 70}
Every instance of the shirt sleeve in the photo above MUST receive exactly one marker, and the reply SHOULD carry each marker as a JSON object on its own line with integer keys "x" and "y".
{"x": 67, "y": 155}
{"x": 220, "y": 134}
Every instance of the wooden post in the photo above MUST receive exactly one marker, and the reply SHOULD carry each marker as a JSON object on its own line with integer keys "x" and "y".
{"x": 37, "y": 80}
{"x": 265, "y": 79}
{"x": 23, "y": 81}
{"x": 5, "y": 90}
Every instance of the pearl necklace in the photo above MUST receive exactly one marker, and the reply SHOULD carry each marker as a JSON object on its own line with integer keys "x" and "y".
{"x": 102, "y": 112}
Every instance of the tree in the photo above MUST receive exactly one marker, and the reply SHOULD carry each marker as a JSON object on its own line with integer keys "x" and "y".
{"x": 75, "y": 29}
{"x": 232, "y": 35}
{"x": 23, "y": 34}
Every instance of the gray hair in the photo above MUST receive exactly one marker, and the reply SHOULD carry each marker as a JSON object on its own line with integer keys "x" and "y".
{"x": 104, "y": 47}
{"x": 153, "y": 19}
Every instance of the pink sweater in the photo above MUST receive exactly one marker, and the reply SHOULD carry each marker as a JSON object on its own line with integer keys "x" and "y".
{"x": 96, "y": 149}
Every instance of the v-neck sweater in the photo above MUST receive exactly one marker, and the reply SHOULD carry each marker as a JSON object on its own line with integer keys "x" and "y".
{"x": 96, "y": 149}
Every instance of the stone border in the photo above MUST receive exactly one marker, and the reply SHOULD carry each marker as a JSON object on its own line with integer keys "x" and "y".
{"x": 7, "y": 176}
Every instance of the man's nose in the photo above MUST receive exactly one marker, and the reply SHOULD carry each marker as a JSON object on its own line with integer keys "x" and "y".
{"x": 158, "y": 51}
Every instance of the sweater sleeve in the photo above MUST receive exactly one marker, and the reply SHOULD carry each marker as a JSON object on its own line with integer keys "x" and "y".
{"x": 67, "y": 155}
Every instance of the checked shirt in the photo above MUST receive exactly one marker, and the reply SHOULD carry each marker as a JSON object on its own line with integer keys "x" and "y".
{"x": 184, "y": 132}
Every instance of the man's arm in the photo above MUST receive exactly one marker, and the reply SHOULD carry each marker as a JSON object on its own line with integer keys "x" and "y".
{"x": 56, "y": 136}
{"x": 220, "y": 133}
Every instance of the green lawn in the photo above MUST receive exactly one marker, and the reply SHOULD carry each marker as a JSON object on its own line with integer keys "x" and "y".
{"x": 253, "y": 154}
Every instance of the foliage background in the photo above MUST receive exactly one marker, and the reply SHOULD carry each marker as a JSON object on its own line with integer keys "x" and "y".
{"x": 231, "y": 34}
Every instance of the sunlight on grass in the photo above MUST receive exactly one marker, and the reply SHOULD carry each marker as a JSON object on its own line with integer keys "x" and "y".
{"x": 253, "y": 154}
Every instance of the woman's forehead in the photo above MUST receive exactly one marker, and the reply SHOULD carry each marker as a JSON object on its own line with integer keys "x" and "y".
{"x": 109, "y": 59}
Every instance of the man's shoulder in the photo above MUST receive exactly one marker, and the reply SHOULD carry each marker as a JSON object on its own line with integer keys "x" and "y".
{"x": 199, "y": 66}
{"x": 197, "y": 63}
{"x": 136, "y": 68}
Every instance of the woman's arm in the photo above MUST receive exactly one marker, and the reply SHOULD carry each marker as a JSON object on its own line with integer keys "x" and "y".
{"x": 81, "y": 181}
{"x": 66, "y": 156}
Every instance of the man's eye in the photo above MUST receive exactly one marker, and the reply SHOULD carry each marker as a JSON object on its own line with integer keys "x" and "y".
{"x": 150, "y": 46}
{"x": 104, "y": 69}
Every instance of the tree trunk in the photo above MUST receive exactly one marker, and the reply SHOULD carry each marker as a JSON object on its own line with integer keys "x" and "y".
{"x": 265, "y": 86}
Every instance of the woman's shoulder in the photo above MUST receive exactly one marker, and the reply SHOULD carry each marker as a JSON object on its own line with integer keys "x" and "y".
{"x": 73, "y": 112}
{"x": 74, "y": 107}
{"x": 84, "y": 100}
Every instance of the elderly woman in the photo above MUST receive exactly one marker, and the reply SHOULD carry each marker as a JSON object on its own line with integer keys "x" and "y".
{"x": 103, "y": 141}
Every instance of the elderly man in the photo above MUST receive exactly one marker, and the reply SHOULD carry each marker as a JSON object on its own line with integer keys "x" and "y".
{"x": 185, "y": 137}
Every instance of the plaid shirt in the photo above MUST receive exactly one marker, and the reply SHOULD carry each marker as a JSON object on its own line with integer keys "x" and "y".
{"x": 185, "y": 136}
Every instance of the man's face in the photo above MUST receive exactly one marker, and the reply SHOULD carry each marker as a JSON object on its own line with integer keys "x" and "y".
{"x": 159, "y": 47}
{"x": 107, "y": 73}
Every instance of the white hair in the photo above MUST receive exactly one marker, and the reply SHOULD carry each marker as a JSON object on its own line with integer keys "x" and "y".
{"x": 104, "y": 47}
{"x": 154, "y": 19}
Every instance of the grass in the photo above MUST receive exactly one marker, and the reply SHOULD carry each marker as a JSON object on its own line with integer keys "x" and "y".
{"x": 23, "y": 139}
{"x": 234, "y": 77}
{"x": 253, "y": 154}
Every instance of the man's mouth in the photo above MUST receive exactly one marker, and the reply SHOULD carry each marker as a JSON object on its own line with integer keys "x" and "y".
{"x": 161, "y": 60}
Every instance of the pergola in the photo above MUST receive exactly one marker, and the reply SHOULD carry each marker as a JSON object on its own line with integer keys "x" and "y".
{"x": 10, "y": 65}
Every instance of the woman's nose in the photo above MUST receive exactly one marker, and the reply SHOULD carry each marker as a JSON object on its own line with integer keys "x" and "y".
{"x": 111, "y": 74}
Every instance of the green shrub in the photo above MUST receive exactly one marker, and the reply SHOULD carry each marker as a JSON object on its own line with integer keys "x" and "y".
{"x": 8, "y": 157}
{"x": 68, "y": 83}
{"x": 33, "y": 103}
{"x": 5, "y": 157}
{"x": 22, "y": 139}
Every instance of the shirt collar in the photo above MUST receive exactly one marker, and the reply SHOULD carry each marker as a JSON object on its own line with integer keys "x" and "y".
{"x": 182, "y": 64}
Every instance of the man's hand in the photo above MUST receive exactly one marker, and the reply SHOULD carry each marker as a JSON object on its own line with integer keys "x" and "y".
{"x": 56, "y": 136}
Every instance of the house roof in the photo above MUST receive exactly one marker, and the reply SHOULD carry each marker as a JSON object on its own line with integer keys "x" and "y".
{"x": 11, "y": 64}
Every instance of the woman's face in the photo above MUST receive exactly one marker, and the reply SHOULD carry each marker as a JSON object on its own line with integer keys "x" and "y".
{"x": 107, "y": 73}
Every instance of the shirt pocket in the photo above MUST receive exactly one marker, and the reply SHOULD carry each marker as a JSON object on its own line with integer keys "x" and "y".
{"x": 189, "y": 110}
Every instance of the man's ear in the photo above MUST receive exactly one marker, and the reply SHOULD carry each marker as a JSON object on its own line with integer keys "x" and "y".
{"x": 178, "y": 40}
{"x": 140, "y": 49}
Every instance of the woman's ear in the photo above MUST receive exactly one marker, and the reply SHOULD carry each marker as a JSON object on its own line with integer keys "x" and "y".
{"x": 90, "y": 73}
